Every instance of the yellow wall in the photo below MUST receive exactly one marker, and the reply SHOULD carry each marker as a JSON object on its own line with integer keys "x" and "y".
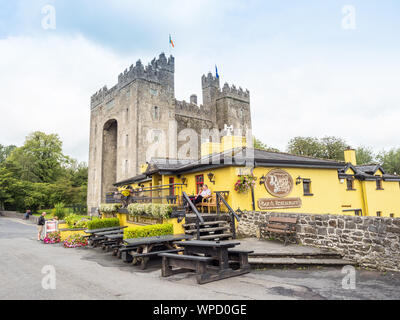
{"x": 330, "y": 194}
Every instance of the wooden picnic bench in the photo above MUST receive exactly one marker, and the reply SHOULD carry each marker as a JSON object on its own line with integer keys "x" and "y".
{"x": 99, "y": 236}
{"x": 282, "y": 226}
{"x": 140, "y": 250}
{"x": 212, "y": 260}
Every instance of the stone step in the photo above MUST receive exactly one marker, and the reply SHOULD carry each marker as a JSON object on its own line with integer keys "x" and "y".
{"x": 264, "y": 262}
{"x": 295, "y": 255}
{"x": 204, "y": 224}
{"x": 202, "y": 230}
{"x": 216, "y": 236}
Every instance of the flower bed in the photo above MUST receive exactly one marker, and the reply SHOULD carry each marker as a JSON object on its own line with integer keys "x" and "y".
{"x": 53, "y": 237}
{"x": 75, "y": 241}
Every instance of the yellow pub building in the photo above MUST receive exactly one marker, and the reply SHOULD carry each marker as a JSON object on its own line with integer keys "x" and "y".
{"x": 282, "y": 182}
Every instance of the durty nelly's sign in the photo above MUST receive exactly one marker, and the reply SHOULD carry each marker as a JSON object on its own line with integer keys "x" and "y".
{"x": 278, "y": 183}
{"x": 273, "y": 203}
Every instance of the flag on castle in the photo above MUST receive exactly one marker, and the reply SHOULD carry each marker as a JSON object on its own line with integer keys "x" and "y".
{"x": 216, "y": 72}
{"x": 171, "y": 42}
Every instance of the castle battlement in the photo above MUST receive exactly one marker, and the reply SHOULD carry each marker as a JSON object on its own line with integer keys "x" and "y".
{"x": 209, "y": 81}
{"x": 232, "y": 92}
{"x": 189, "y": 109}
{"x": 154, "y": 72}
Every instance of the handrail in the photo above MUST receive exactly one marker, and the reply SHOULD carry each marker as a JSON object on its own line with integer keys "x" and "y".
{"x": 227, "y": 205}
{"x": 233, "y": 213}
{"x": 199, "y": 217}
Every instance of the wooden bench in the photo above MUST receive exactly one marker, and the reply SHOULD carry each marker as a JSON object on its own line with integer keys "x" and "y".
{"x": 184, "y": 263}
{"x": 240, "y": 256}
{"x": 282, "y": 226}
{"x": 209, "y": 203}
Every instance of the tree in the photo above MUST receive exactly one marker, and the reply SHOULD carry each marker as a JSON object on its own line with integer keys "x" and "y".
{"x": 306, "y": 146}
{"x": 40, "y": 159}
{"x": 325, "y": 148}
{"x": 258, "y": 144}
{"x": 390, "y": 161}
{"x": 364, "y": 155}
{"x": 5, "y": 151}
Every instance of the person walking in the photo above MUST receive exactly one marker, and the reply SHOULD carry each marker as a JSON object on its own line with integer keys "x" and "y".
{"x": 27, "y": 214}
{"x": 41, "y": 223}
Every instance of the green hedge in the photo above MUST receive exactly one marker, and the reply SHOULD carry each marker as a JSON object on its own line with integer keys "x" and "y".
{"x": 103, "y": 223}
{"x": 149, "y": 231}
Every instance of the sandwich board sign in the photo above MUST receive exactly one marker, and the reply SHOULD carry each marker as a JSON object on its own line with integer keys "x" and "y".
{"x": 50, "y": 226}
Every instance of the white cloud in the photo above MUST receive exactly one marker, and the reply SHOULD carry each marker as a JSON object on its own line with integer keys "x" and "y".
{"x": 46, "y": 84}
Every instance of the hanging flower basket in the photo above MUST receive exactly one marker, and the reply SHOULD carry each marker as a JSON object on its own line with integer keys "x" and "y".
{"x": 245, "y": 183}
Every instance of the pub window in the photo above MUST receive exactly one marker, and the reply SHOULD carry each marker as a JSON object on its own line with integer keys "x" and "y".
{"x": 350, "y": 183}
{"x": 379, "y": 184}
{"x": 392, "y": 215}
{"x": 379, "y": 213}
{"x": 199, "y": 183}
{"x": 307, "y": 187}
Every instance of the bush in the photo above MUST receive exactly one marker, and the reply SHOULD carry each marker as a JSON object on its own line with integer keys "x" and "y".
{"x": 59, "y": 211}
{"x": 149, "y": 231}
{"x": 75, "y": 221}
{"x": 110, "y": 207}
{"x": 103, "y": 223}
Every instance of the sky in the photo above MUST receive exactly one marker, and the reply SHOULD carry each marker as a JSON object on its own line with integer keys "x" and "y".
{"x": 313, "y": 68}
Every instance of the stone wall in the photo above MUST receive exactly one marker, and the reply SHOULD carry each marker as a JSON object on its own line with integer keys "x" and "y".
{"x": 370, "y": 241}
{"x": 17, "y": 215}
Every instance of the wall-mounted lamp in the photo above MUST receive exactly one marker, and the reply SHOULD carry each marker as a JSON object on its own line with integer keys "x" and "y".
{"x": 184, "y": 179}
{"x": 299, "y": 180}
{"x": 262, "y": 179}
{"x": 211, "y": 176}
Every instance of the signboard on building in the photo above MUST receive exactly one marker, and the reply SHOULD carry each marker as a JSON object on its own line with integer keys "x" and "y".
{"x": 245, "y": 171}
{"x": 273, "y": 203}
{"x": 278, "y": 183}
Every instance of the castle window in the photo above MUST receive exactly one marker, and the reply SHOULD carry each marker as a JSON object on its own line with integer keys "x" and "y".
{"x": 127, "y": 140}
{"x": 350, "y": 183}
{"x": 156, "y": 113}
{"x": 307, "y": 187}
{"x": 127, "y": 114}
{"x": 379, "y": 184}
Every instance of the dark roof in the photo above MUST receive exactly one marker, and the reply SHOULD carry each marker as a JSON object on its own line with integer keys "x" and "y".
{"x": 137, "y": 179}
{"x": 367, "y": 172}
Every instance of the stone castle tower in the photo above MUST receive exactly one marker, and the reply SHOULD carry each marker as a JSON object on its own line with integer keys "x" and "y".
{"x": 144, "y": 101}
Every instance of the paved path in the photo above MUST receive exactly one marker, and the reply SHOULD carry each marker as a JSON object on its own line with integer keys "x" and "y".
{"x": 93, "y": 274}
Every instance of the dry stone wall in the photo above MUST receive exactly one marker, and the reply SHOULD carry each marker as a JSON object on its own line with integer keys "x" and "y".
{"x": 372, "y": 242}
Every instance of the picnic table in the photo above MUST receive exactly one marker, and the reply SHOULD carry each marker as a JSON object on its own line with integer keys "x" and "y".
{"x": 140, "y": 250}
{"x": 98, "y": 236}
{"x": 212, "y": 260}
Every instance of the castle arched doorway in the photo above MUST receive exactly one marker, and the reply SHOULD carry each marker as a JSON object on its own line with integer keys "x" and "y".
{"x": 109, "y": 158}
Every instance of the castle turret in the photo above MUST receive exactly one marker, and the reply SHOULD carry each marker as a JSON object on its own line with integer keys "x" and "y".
{"x": 210, "y": 86}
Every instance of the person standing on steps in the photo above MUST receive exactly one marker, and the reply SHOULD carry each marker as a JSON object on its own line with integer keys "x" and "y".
{"x": 41, "y": 223}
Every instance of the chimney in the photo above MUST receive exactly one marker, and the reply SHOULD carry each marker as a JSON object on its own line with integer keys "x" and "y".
{"x": 350, "y": 156}
{"x": 193, "y": 99}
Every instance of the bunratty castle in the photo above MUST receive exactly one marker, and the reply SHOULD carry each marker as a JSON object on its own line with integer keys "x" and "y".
{"x": 144, "y": 101}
